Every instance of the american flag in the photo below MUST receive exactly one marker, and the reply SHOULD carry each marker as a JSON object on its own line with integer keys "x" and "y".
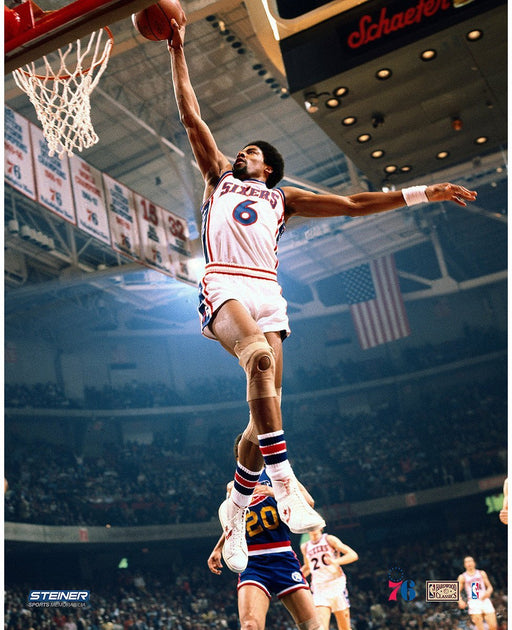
{"x": 376, "y": 304}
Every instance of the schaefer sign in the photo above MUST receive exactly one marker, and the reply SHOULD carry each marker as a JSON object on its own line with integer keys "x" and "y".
{"x": 368, "y": 31}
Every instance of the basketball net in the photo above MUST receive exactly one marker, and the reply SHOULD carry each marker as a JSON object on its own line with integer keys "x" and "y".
{"x": 61, "y": 97}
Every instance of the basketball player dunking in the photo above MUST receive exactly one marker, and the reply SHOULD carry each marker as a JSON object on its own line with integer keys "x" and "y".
{"x": 241, "y": 305}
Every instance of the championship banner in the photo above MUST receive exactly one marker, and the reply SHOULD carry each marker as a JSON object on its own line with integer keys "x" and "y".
{"x": 122, "y": 218}
{"x": 52, "y": 178}
{"x": 90, "y": 204}
{"x": 153, "y": 238}
{"x": 18, "y": 166}
{"x": 176, "y": 229}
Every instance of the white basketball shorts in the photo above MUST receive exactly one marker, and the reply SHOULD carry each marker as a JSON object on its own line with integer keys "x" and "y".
{"x": 261, "y": 296}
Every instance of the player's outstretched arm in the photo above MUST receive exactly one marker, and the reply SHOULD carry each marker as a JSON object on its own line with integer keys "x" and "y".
{"x": 308, "y": 204}
{"x": 210, "y": 160}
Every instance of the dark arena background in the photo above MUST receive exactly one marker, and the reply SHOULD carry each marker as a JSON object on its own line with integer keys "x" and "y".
{"x": 120, "y": 417}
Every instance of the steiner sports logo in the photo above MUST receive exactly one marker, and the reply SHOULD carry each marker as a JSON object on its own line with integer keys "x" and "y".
{"x": 442, "y": 591}
{"x": 58, "y": 596}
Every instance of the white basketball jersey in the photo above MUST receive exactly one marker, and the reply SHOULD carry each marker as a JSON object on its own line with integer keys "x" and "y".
{"x": 242, "y": 224}
{"x": 318, "y": 555}
{"x": 474, "y": 584}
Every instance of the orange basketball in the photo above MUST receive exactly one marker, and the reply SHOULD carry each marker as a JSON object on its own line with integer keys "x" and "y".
{"x": 154, "y": 22}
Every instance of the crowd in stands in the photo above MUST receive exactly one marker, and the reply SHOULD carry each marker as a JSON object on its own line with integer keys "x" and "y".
{"x": 455, "y": 436}
{"x": 137, "y": 484}
{"x": 188, "y": 597}
{"x": 475, "y": 342}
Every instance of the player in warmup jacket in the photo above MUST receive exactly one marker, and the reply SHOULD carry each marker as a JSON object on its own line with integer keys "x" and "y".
{"x": 478, "y": 589}
{"x": 324, "y": 555}
{"x": 272, "y": 568}
{"x": 241, "y": 305}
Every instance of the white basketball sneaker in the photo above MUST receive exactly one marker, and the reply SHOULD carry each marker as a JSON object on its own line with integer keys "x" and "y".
{"x": 234, "y": 551}
{"x": 293, "y": 508}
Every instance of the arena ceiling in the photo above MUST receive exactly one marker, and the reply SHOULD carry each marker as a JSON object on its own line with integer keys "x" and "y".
{"x": 244, "y": 91}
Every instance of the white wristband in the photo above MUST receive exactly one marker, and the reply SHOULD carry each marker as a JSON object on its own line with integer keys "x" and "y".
{"x": 414, "y": 195}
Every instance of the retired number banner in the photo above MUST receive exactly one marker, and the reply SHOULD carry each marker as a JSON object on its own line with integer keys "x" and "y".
{"x": 122, "y": 218}
{"x": 90, "y": 203}
{"x": 153, "y": 237}
{"x": 52, "y": 178}
{"x": 18, "y": 166}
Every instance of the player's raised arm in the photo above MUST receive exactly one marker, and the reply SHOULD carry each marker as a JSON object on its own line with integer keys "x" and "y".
{"x": 308, "y": 204}
{"x": 210, "y": 160}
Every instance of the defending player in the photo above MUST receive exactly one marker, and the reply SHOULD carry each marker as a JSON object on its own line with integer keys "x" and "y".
{"x": 324, "y": 555}
{"x": 241, "y": 305}
{"x": 475, "y": 583}
{"x": 273, "y": 567}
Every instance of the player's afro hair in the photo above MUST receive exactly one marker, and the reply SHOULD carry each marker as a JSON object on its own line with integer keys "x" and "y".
{"x": 272, "y": 158}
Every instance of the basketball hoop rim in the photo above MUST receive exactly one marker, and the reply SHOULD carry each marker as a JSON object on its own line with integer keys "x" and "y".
{"x": 65, "y": 77}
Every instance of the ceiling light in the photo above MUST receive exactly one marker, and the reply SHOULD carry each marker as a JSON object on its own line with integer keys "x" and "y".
{"x": 364, "y": 137}
{"x": 406, "y": 168}
{"x": 474, "y": 35}
{"x": 442, "y": 155}
{"x": 481, "y": 140}
{"x": 378, "y": 153}
{"x": 456, "y": 123}
{"x": 332, "y": 102}
{"x": 383, "y": 74}
{"x": 340, "y": 91}
{"x": 377, "y": 119}
{"x": 311, "y": 99}
{"x": 349, "y": 120}
{"x": 311, "y": 102}
{"x": 391, "y": 168}
{"x": 428, "y": 55}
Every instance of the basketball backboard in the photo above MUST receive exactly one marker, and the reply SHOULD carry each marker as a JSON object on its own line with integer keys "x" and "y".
{"x": 42, "y": 32}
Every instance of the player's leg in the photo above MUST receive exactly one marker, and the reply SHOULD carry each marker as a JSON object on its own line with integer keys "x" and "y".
{"x": 478, "y": 621}
{"x": 253, "y": 605}
{"x": 301, "y": 607}
{"x": 261, "y": 357}
{"x": 343, "y": 619}
{"x": 248, "y": 448}
{"x": 323, "y": 614}
{"x": 492, "y": 622}
{"x": 231, "y": 325}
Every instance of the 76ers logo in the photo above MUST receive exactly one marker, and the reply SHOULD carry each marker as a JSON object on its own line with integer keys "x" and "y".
{"x": 244, "y": 213}
{"x": 399, "y": 585}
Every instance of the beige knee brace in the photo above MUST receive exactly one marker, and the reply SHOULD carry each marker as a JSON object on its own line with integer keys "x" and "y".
{"x": 256, "y": 356}
{"x": 310, "y": 624}
{"x": 251, "y": 433}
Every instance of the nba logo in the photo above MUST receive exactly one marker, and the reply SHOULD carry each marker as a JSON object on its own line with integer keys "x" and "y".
{"x": 474, "y": 590}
